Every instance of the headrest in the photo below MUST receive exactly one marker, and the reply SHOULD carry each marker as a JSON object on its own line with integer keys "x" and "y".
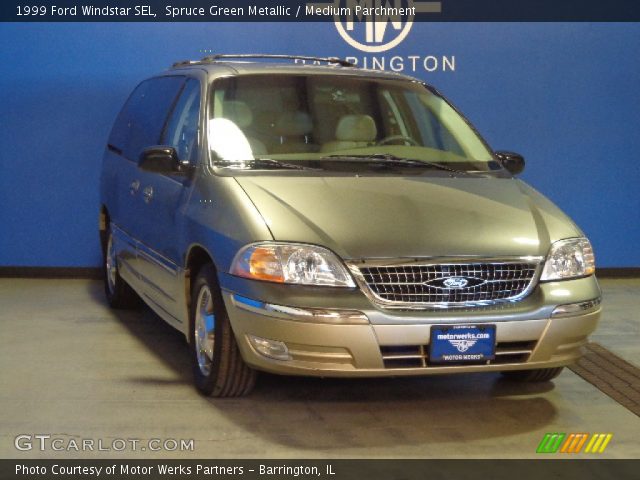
{"x": 356, "y": 128}
{"x": 238, "y": 112}
{"x": 293, "y": 124}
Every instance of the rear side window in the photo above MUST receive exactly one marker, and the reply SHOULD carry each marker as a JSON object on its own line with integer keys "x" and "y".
{"x": 142, "y": 119}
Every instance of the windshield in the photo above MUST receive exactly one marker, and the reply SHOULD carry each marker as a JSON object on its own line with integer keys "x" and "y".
{"x": 337, "y": 117}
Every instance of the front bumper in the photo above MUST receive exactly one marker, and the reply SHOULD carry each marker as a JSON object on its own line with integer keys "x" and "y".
{"x": 381, "y": 342}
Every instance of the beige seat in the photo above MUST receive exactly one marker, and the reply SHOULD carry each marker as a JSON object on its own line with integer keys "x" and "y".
{"x": 293, "y": 129}
{"x": 239, "y": 113}
{"x": 353, "y": 131}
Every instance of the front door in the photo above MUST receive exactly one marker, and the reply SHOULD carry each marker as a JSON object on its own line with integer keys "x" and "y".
{"x": 139, "y": 125}
{"x": 165, "y": 198}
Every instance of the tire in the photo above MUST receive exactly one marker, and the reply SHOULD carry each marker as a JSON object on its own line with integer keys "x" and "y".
{"x": 218, "y": 367}
{"x": 533, "y": 376}
{"x": 118, "y": 292}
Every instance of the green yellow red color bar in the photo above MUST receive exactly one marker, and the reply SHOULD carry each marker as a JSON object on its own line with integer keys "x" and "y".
{"x": 574, "y": 443}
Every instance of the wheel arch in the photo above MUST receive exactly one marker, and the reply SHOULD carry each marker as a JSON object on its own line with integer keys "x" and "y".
{"x": 196, "y": 257}
{"x": 103, "y": 223}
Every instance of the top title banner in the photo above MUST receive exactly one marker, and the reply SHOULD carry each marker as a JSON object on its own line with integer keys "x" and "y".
{"x": 317, "y": 11}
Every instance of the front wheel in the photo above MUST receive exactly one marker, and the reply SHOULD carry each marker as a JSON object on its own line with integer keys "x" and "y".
{"x": 533, "y": 376}
{"x": 218, "y": 367}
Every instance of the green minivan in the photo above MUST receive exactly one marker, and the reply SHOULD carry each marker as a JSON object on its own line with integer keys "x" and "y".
{"x": 321, "y": 219}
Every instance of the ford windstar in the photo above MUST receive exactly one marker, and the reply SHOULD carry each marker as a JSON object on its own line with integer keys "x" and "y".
{"x": 326, "y": 220}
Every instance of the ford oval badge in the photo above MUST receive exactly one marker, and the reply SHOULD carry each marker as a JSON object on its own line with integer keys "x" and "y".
{"x": 455, "y": 282}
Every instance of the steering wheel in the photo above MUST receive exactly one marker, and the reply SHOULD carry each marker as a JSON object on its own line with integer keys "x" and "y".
{"x": 395, "y": 138}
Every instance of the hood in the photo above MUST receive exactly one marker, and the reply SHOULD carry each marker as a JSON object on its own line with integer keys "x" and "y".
{"x": 389, "y": 217}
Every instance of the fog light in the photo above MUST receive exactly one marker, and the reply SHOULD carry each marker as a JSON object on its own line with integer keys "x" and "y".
{"x": 270, "y": 348}
{"x": 572, "y": 309}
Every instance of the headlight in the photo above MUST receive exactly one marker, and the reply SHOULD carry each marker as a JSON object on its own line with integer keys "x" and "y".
{"x": 291, "y": 263}
{"x": 569, "y": 258}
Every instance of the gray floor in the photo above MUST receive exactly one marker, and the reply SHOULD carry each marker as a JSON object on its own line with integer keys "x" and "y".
{"x": 74, "y": 369}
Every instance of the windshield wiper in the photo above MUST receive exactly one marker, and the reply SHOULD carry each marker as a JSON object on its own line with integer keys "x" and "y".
{"x": 260, "y": 163}
{"x": 389, "y": 159}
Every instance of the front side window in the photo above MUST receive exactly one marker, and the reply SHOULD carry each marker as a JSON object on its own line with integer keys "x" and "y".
{"x": 141, "y": 120}
{"x": 181, "y": 130}
{"x": 320, "y": 117}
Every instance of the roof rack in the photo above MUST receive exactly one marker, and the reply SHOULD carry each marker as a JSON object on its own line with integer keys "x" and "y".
{"x": 184, "y": 63}
{"x": 338, "y": 61}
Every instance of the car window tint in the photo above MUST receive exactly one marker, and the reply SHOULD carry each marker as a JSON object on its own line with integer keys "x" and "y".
{"x": 311, "y": 116}
{"x": 120, "y": 131}
{"x": 181, "y": 131}
{"x": 142, "y": 119}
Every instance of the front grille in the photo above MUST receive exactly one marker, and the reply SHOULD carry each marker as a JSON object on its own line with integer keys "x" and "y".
{"x": 422, "y": 284}
{"x": 417, "y": 356}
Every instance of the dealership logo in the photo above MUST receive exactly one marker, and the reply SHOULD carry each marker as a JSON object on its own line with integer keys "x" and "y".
{"x": 375, "y": 26}
{"x": 463, "y": 345}
{"x": 574, "y": 443}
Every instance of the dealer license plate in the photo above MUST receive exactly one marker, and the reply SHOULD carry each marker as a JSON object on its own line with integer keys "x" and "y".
{"x": 462, "y": 343}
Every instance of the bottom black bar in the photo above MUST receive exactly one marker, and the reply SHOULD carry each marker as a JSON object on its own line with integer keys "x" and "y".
{"x": 51, "y": 272}
{"x": 622, "y": 272}
{"x": 542, "y": 469}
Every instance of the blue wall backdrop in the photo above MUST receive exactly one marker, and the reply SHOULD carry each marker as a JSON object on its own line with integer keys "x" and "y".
{"x": 567, "y": 96}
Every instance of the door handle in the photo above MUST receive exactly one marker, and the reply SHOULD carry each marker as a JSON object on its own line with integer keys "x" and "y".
{"x": 134, "y": 187}
{"x": 148, "y": 194}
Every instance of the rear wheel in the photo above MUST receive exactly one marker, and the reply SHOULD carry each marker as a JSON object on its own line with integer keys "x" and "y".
{"x": 218, "y": 367}
{"x": 538, "y": 375}
{"x": 119, "y": 293}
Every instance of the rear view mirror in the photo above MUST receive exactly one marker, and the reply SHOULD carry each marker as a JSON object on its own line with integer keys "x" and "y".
{"x": 513, "y": 162}
{"x": 161, "y": 159}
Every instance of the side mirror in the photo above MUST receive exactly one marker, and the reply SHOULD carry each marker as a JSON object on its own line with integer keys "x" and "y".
{"x": 161, "y": 159}
{"x": 513, "y": 162}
